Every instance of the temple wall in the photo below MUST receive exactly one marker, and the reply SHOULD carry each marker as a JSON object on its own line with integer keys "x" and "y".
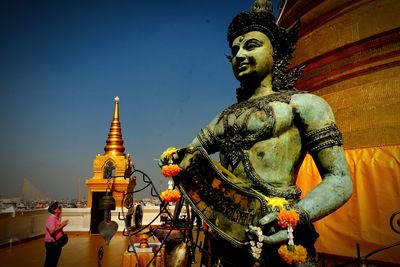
{"x": 334, "y": 24}
{"x": 367, "y": 108}
{"x": 79, "y": 219}
{"x": 19, "y": 226}
{"x": 351, "y": 53}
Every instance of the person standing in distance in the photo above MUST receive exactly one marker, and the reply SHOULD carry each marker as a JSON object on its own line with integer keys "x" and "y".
{"x": 53, "y": 231}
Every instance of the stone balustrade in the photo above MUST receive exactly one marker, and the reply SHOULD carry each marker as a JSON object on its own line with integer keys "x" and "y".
{"x": 24, "y": 225}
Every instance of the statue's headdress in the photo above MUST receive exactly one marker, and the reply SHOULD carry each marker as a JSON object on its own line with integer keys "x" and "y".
{"x": 261, "y": 19}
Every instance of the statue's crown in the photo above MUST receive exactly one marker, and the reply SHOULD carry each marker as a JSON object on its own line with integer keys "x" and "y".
{"x": 262, "y": 19}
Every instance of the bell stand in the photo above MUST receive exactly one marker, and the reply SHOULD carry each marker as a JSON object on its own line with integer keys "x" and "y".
{"x": 174, "y": 219}
{"x": 107, "y": 228}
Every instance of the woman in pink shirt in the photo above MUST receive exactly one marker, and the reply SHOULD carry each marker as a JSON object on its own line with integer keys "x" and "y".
{"x": 53, "y": 231}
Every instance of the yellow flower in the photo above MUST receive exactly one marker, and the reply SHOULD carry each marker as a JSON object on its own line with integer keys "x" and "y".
{"x": 293, "y": 254}
{"x": 169, "y": 152}
{"x": 277, "y": 202}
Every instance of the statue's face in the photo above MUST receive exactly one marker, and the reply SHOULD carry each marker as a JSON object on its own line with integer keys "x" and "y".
{"x": 252, "y": 56}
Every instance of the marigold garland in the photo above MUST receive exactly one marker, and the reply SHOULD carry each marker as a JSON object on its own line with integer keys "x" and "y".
{"x": 170, "y": 195}
{"x": 286, "y": 217}
{"x": 170, "y": 170}
{"x": 293, "y": 254}
{"x": 290, "y": 253}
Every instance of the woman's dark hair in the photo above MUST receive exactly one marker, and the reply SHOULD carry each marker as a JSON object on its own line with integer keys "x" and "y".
{"x": 53, "y": 206}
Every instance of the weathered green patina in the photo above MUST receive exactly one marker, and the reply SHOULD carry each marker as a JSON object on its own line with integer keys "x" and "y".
{"x": 263, "y": 139}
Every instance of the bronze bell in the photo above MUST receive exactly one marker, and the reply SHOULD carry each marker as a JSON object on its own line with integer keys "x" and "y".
{"x": 107, "y": 228}
{"x": 107, "y": 203}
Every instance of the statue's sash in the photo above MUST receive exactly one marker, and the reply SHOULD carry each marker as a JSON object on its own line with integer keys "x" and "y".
{"x": 225, "y": 206}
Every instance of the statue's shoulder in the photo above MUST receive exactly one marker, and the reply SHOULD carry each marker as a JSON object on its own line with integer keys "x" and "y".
{"x": 310, "y": 107}
{"x": 305, "y": 99}
{"x": 284, "y": 96}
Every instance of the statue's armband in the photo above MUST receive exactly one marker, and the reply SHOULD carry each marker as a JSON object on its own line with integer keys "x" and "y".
{"x": 319, "y": 139}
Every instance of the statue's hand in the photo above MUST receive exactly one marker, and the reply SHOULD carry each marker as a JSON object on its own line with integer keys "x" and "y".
{"x": 174, "y": 160}
{"x": 169, "y": 156}
{"x": 275, "y": 238}
{"x": 278, "y": 237}
{"x": 270, "y": 217}
{"x": 174, "y": 155}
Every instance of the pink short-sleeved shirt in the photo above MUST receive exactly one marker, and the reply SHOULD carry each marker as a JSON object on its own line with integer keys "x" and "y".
{"x": 52, "y": 223}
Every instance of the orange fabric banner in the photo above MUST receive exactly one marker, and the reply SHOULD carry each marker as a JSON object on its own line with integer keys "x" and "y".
{"x": 365, "y": 218}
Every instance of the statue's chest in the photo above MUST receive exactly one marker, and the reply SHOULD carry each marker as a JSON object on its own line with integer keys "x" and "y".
{"x": 243, "y": 123}
{"x": 246, "y": 123}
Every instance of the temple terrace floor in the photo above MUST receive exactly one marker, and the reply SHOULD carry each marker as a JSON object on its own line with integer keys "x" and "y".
{"x": 82, "y": 248}
{"x": 81, "y": 251}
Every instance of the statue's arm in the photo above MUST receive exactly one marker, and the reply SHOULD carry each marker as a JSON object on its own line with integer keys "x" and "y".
{"x": 323, "y": 141}
{"x": 195, "y": 142}
{"x": 206, "y": 138}
{"x": 315, "y": 119}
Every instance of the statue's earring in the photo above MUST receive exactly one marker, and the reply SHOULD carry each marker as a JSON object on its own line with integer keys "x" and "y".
{"x": 273, "y": 53}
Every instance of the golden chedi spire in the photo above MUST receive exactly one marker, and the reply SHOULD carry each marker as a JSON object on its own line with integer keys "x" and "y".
{"x": 115, "y": 144}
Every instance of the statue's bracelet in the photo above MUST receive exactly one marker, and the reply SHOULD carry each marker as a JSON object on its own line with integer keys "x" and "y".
{"x": 304, "y": 215}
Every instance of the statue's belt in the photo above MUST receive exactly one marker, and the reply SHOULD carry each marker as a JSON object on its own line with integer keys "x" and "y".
{"x": 226, "y": 207}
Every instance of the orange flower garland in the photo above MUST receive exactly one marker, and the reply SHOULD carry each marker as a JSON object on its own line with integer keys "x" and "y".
{"x": 170, "y": 195}
{"x": 290, "y": 253}
{"x": 286, "y": 217}
{"x": 293, "y": 254}
{"x": 170, "y": 170}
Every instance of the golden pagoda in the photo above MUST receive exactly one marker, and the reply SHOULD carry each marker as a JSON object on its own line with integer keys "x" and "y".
{"x": 351, "y": 54}
{"x": 110, "y": 168}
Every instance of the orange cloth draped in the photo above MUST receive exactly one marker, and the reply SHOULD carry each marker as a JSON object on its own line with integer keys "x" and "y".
{"x": 364, "y": 219}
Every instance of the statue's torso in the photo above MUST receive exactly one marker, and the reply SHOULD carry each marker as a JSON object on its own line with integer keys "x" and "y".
{"x": 260, "y": 141}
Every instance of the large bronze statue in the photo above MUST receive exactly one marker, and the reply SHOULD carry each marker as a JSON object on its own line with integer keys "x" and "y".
{"x": 262, "y": 141}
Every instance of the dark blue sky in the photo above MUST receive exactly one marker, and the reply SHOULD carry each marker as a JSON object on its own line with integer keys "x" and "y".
{"x": 63, "y": 62}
